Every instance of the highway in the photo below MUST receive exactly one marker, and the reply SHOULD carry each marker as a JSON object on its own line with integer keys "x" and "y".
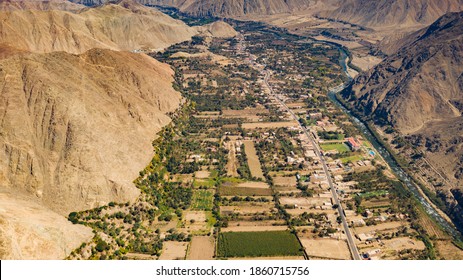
{"x": 350, "y": 240}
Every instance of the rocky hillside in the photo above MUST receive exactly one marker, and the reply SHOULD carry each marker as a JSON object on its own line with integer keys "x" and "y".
{"x": 379, "y": 13}
{"x": 392, "y": 13}
{"x": 29, "y": 230}
{"x": 218, "y": 29}
{"x": 419, "y": 92}
{"x": 77, "y": 129}
{"x": 420, "y": 83}
{"x": 15, "y": 5}
{"x": 77, "y": 114}
{"x": 224, "y": 8}
{"x": 121, "y": 26}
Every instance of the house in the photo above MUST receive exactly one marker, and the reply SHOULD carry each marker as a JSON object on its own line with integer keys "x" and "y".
{"x": 353, "y": 144}
{"x": 359, "y": 223}
{"x": 316, "y": 116}
{"x": 365, "y": 237}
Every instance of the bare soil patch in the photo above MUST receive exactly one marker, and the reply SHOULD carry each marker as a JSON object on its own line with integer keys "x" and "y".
{"x": 253, "y": 159}
{"x": 304, "y": 202}
{"x": 250, "y": 208}
{"x": 246, "y": 191}
{"x": 285, "y": 181}
{"x": 198, "y": 216}
{"x": 402, "y": 243}
{"x": 449, "y": 251}
{"x": 379, "y": 227}
{"x": 173, "y": 250}
{"x": 326, "y": 248}
{"x": 201, "y": 248}
{"x": 232, "y": 163}
{"x": 269, "y": 124}
{"x": 254, "y": 185}
{"x": 202, "y": 174}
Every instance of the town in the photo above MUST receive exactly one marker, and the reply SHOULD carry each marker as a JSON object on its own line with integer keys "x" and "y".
{"x": 260, "y": 164}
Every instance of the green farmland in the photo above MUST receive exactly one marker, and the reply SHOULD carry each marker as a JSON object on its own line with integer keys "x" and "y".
{"x": 340, "y": 147}
{"x": 258, "y": 244}
{"x": 202, "y": 200}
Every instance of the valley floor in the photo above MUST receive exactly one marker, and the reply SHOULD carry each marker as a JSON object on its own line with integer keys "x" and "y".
{"x": 259, "y": 163}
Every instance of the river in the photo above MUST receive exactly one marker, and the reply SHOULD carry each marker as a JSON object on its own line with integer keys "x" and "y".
{"x": 399, "y": 172}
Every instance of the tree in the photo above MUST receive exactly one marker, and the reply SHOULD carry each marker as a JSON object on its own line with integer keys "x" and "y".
{"x": 101, "y": 246}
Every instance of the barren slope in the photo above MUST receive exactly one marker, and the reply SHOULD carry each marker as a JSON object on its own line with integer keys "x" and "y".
{"x": 14, "y": 5}
{"x": 218, "y": 29}
{"x": 122, "y": 26}
{"x": 392, "y": 13}
{"x": 30, "y": 231}
{"x": 420, "y": 83}
{"x": 76, "y": 130}
{"x": 224, "y": 8}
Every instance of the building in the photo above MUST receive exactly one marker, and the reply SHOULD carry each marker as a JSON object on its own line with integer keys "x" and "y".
{"x": 353, "y": 144}
{"x": 316, "y": 116}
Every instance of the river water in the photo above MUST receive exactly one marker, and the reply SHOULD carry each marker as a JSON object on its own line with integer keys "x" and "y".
{"x": 401, "y": 174}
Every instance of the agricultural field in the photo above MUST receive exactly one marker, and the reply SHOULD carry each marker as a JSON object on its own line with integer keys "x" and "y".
{"x": 354, "y": 158}
{"x": 258, "y": 244}
{"x": 341, "y": 148}
{"x": 285, "y": 181}
{"x": 232, "y": 187}
{"x": 269, "y": 125}
{"x": 201, "y": 248}
{"x": 226, "y": 191}
{"x": 326, "y": 248}
{"x": 174, "y": 250}
{"x": 202, "y": 200}
{"x": 232, "y": 161}
{"x": 253, "y": 160}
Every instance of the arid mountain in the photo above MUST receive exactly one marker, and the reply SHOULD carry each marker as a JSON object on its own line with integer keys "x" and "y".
{"x": 77, "y": 114}
{"x": 14, "y": 5}
{"x": 77, "y": 129}
{"x": 123, "y": 26}
{"x": 393, "y": 13}
{"x": 233, "y": 8}
{"x": 29, "y": 230}
{"x": 218, "y": 29}
{"x": 379, "y": 13}
{"x": 419, "y": 92}
{"x": 422, "y": 82}
{"x": 224, "y": 8}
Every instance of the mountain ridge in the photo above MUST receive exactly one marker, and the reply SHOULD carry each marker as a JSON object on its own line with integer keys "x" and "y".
{"x": 417, "y": 93}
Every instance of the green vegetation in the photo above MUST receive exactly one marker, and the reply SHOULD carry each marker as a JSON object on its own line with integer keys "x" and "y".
{"x": 207, "y": 183}
{"x": 340, "y": 147}
{"x": 202, "y": 200}
{"x": 330, "y": 135}
{"x": 258, "y": 244}
{"x": 374, "y": 194}
{"x": 351, "y": 159}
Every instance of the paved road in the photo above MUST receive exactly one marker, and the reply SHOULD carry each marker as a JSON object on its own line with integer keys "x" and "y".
{"x": 350, "y": 240}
